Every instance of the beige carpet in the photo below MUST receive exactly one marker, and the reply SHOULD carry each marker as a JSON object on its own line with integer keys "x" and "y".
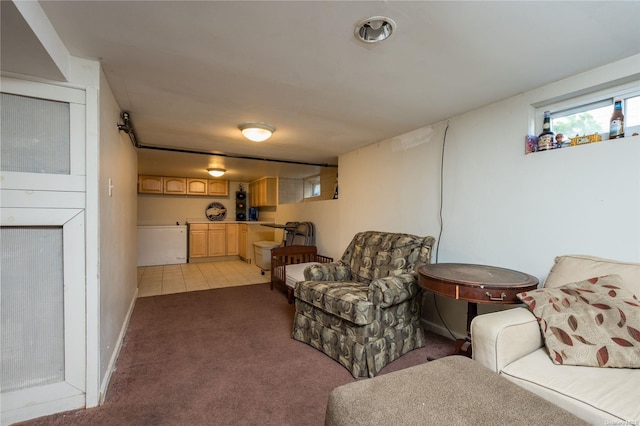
{"x": 221, "y": 357}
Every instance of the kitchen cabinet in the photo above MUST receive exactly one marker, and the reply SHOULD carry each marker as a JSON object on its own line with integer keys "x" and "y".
{"x": 217, "y": 239}
{"x": 218, "y": 188}
{"x": 242, "y": 241}
{"x": 196, "y": 186}
{"x": 264, "y": 192}
{"x": 232, "y": 239}
{"x": 213, "y": 240}
{"x": 198, "y": 240}
{"x": 181, "y": 185}
{"x": 150, "y": 184}
{"x": 175, "y": 185}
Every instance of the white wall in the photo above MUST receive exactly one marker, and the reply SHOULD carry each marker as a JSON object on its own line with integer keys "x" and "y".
{"x": 500, "y": 207}
{"x": 506, "y": 209}
{"x": 392, "y": 185}
{"x": 325, "y": 216}
{"x": 118, "y": 272}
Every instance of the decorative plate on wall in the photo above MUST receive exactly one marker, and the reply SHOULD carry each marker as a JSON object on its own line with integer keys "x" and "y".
{"x": 216, "y": 211}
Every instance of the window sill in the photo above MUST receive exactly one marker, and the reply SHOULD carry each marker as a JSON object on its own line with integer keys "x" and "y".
{"x": 636, "y": 137}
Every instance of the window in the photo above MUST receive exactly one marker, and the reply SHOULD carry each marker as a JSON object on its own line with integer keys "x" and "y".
{"x": 312, "y": 186}
{"x": 591, "y": 113}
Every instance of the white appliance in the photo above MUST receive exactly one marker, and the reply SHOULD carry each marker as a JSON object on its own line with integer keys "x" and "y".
{"x": 162, "y": 245}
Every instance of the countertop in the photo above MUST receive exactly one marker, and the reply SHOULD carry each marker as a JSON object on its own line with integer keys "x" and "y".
{"x": 248, "y": 222}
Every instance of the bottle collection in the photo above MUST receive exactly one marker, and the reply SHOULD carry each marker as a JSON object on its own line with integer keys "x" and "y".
{"x": 547, "y": 139}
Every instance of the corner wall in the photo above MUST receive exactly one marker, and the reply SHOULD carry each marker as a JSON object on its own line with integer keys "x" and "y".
{"x": 504, "y": 208}
{"x": 117, "y": 183}
{"x": 499, "y": 207}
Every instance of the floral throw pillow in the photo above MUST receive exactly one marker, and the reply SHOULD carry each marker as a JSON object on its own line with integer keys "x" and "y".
{"x": 593, "y": 323}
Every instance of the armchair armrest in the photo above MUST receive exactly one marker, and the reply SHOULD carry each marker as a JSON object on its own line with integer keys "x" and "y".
{"x": 499, "y": 338}
{"x": 391, "y": 290}
{"x": 332, "y": 271}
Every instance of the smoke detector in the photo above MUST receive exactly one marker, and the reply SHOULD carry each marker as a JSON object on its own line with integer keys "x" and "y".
{"x": 375, "y": 29}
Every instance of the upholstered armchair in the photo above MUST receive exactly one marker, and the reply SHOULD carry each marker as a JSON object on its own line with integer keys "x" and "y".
{"x": 364, "y": 310}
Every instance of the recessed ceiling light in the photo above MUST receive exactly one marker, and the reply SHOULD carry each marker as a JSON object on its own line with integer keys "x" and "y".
{"x": 375, "y": 29}
{"x": 256, "y": 132}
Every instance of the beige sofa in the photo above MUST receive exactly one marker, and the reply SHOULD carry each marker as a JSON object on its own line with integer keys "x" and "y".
{"x": 511, "y": 343}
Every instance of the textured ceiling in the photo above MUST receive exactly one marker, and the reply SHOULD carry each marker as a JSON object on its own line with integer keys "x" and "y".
{"x": 190, "y": 72}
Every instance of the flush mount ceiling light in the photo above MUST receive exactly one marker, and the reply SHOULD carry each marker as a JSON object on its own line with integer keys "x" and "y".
{"x": 256, "y": 132}
{"x": 216, "y": 172}
{"x": 375, "y": 29}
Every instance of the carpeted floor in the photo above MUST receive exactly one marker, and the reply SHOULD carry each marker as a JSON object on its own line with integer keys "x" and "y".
{"x": 221, "y": 357}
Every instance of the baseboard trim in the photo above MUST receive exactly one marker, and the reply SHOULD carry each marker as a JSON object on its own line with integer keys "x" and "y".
{"x": 114, "y": 356}
{"x": 440, "y": 329}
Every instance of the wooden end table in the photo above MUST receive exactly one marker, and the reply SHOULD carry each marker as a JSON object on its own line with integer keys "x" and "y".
{"x": 474, "y": 284}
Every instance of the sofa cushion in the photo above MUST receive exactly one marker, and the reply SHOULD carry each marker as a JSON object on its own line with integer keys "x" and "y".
{"x": 347, "y": 300}
{"x": 573, "y": 268}
{"x": 387, "y": 323}
{"x": 591, "y": 323}
{"x": 598, "y": 395}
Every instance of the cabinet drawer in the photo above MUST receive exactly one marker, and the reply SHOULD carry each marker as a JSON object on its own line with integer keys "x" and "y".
{"x": 198, "y": 226}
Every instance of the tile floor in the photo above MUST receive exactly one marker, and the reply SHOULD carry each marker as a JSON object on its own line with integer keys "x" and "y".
{"x": 168, "y": 279}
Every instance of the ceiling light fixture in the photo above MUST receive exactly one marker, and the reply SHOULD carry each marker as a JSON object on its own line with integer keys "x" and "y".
{"x": 216, "y": 172}
{"x": 256, "y": 132}
{"x": 375, "y": 29}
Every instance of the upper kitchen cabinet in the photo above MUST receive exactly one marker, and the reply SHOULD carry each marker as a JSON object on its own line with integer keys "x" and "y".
{"x": 264, "y": 192}
{"x": 150, "y": 184}
{"x": 218, "y": 188}
{"x": 196, "y": 186}
{"x": 183, "y": 186}
{"x": 175, "y": 185}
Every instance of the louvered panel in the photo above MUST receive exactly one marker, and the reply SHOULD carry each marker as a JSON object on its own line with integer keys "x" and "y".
{"x": 32, "y": 306}
{"x": 35, "y": 135}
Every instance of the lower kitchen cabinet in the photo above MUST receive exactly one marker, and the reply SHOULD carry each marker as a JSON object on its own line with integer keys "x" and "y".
{"x": 198, "y": 240}
{"x": 213, "y": 240}
{"x": 232, "y": 239}
{"x": 242, "y": 241}
{"x": 217, "y": 240}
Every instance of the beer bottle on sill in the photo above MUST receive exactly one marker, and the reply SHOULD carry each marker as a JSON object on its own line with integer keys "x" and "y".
{"x": 616, "y": 128}
{"x": 546, "y": 139}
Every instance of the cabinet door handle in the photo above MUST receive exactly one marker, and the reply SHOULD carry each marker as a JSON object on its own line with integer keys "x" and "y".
{"x": 496, "y": 299}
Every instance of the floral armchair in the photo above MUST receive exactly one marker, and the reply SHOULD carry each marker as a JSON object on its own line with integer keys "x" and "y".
{"x": 364, "y": 310}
